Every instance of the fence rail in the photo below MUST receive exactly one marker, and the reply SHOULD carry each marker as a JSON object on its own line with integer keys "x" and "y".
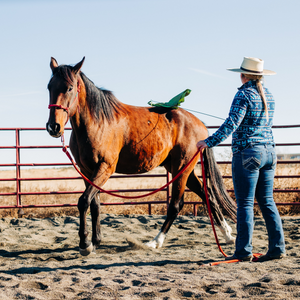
{"x": 18, "y": 179}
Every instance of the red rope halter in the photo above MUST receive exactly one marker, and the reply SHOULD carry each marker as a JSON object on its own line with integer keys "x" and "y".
{"x": 65, "y": 108}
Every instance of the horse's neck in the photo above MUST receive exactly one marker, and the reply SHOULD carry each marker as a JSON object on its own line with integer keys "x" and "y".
{"x": 82, "y": 118}
{"x": 84, "y": 122}
{"x": 82, "y": 113}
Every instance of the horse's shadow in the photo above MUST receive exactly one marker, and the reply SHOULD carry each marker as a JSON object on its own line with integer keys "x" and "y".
{"x": 35, "y": 270}
{"x": 23, "y": 255}
{"x": 105, "y": 248}
{"x": 5, "y": 253}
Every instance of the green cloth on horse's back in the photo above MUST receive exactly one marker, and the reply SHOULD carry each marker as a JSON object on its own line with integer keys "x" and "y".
{"x": 174, "y": 102}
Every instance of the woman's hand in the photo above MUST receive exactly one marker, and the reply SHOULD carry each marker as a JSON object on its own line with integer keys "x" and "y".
{"x": 201, "y": 145}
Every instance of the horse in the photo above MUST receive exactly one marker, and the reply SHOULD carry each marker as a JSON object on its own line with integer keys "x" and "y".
{"x": 109, "y": 136}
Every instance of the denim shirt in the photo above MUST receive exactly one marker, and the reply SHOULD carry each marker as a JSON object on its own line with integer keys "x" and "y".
{"x": 247, "y": 120}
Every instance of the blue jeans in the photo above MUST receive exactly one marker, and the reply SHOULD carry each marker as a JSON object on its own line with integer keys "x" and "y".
{"x": 253, "y": 171}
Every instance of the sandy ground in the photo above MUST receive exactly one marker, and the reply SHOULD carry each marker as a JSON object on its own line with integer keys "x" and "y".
{"x": 39, "y": 259}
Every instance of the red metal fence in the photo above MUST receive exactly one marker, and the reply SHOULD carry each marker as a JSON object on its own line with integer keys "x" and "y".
{"x": 18, "y": 179}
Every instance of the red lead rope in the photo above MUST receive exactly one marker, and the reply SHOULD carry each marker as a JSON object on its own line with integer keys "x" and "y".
{"x": 208, "y": 204}
{"x": 153, "y": 192}
{"x": 212, "y": 222}
{"x": 121, "y": 196}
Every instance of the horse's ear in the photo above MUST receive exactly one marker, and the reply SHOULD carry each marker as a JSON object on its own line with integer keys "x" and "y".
{"x": 53, "y": 64}
{"x": 77, "y": 67}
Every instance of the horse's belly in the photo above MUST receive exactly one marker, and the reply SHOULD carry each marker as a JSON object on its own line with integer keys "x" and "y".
{"x": 141, "y": 161}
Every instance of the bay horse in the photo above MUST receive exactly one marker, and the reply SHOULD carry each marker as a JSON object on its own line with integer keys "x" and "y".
{"x": 109, "y": 136}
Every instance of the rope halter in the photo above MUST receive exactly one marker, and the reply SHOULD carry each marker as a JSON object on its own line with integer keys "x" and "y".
{"x": 65, "y": 108}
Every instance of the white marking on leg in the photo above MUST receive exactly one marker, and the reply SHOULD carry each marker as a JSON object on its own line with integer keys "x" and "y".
{"x": 157, "y": 242}
{"x": 226, "y": 231}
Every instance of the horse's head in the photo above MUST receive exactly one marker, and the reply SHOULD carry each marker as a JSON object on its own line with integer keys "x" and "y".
{"x": 63, "y": 90}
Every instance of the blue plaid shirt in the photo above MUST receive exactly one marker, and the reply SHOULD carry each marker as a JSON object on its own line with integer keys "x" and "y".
{"x": 247, "y": 120}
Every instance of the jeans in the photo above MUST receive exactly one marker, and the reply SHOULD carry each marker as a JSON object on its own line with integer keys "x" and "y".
{"x": 253, "y": 171}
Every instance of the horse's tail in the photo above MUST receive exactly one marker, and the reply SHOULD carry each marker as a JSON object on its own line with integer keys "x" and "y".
{"x": 217, "y": 186}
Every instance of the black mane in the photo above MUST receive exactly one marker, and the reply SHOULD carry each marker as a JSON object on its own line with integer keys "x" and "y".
{"x": 102, "y": 103}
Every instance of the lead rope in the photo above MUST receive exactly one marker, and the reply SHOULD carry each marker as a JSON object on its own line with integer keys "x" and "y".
{"x": 65, "y": 150}
{"x": 212, "y": 222}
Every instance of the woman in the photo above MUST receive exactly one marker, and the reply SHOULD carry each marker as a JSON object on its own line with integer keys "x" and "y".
{"x": 254, "y": 159}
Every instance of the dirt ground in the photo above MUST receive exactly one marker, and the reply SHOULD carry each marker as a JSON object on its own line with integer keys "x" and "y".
{"x": 39, "y": 259}
{"x": 39, "y": 255}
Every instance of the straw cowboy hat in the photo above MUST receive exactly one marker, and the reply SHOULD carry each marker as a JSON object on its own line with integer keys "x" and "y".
{"x": 254, "y": 66}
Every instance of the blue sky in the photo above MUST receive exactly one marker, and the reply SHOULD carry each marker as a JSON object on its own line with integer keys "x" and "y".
{"x": 149, "y": 50}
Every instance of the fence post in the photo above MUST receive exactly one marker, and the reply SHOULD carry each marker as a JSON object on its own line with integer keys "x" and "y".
{"x": 18, "y": 171}
{"x": 195, "y": 210}
{"x": 149, "y": 209}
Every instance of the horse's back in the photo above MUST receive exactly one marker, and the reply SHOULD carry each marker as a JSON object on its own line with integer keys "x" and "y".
{"x": 153, "y": 132}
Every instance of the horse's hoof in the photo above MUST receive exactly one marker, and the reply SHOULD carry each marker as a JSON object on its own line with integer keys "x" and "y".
{"x": 152, "y": 244}
{"x": 87, "y": 251}
{"x": 230, "y": 241}
{"x": 157, "y": 242}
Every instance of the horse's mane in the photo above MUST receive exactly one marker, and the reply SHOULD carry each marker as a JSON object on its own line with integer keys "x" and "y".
{"x": 102, "y": 103}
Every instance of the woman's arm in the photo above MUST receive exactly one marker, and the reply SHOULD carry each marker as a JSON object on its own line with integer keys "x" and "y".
{"x": 236, "y": 115}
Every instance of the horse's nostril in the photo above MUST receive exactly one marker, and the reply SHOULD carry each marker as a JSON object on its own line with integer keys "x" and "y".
{"x": 56, "y": 128}
{"x": 53, "y": 129}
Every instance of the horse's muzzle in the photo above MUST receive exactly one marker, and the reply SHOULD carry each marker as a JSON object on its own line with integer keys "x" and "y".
{"x": 54, "y": 129}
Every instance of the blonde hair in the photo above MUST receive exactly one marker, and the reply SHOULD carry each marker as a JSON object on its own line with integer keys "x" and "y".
{"x": 258, "y": 79}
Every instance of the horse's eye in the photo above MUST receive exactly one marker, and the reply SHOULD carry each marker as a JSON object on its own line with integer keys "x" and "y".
{"x": 70, "y": 89}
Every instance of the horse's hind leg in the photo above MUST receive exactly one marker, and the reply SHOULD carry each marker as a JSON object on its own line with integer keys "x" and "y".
{"x": 175, "y": 207}
{"x": 195, "y": 185}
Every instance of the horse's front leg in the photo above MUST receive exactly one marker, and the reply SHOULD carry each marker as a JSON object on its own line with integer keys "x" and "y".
{"x": 90, "y": 199}
{"x": 95, "y": 213}
{"x": 85, "y": 247}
